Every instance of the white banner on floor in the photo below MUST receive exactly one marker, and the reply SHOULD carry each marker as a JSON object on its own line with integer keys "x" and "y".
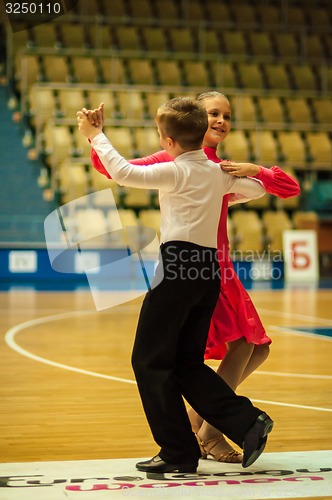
{"x": 274, "y": 475}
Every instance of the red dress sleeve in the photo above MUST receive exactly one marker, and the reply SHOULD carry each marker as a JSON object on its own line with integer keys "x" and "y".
{"x": 278, "y": 183}
{"x": 97, "y": 164}
{"x": 158, "y": 157}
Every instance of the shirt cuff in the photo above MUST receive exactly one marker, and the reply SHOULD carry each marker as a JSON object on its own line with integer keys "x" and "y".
{"x": 98, "y": 139}
{"x": 264, "y": 174}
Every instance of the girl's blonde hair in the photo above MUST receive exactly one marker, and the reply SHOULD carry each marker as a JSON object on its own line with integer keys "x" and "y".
{"x": 207, "y": 95}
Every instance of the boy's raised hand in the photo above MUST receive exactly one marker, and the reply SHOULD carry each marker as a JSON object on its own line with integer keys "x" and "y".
{"x": 95, "y": 116}
{"x": 86, "y": 128}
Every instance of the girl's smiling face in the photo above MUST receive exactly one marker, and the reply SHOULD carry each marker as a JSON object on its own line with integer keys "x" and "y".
{"x": 219, "y": 113}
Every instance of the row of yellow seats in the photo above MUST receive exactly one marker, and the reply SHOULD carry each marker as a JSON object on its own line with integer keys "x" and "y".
{"x": 35, "y": 68}
{"x": 243, "y": 43}
{"x": 289, "y": 148}
{"x": 45, "y": 103}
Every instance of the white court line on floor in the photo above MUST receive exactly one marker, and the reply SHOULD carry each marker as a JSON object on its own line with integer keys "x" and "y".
{"x": 273, "y": 475}
{"x": 290, "y": 315}
{"x": 10, "y": 340}
{"x": 300, "y": 333}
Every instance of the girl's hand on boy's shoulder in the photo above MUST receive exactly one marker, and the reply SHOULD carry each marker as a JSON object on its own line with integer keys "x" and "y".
{"x": 240, "y": 169}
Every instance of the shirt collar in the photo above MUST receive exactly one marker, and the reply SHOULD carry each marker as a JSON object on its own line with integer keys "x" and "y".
{"x": 196, "y": 155}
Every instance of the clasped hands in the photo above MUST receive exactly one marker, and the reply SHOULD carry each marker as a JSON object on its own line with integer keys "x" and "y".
{"x": 91, "y": 122}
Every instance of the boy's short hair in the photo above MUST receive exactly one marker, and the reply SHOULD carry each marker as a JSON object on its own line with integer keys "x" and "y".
{"x": 183, "y": 119}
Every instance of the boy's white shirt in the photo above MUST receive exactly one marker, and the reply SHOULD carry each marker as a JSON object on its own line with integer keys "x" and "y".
{"x": 191, "y": 189}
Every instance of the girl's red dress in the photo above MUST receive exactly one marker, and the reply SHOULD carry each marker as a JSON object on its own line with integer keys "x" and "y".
{"x": 235, "y": 315}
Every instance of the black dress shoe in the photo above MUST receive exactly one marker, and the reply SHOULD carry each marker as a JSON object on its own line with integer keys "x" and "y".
{"x": 157, "y": 464}
{"x": 255, "y": 439}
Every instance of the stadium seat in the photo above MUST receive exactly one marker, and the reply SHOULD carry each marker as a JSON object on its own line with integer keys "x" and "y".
{"x": 70, "y": 101}
{"x": 147, "y": 140}
{"x": 251, "y": 76}
{"x": 193, "y": 10}
{"x": 244, "y": 14}
{"x": 219, "y": 12}
{"x": 73, "y": 35}
{"x": 136, "y": 197}
{"x": 236, "y": 147}
{"x": 268, "y": 15}
{"x": 99, "y": 183}
{"x": 260, "y": 44}
{"x": 100, "y": 36}
{"x": 141, "y": 72}
{"x": 113, "y": 70}
{"x": 244, "y": 109}
{"x": 167, "y": 9}
{"x": 292, "y": 148}
{"x": 72, "y": 180}
{"x": 234, "y": 43}
{"x": 42, "y": 105}
{"x": 271, "y": 109}
{"x": 320, "y": 150}
{"x": 275, "y": 223}
{"x": 318, "y": 16}
{"x": 323, "y": 110}
{"x": 58, "y": 142}
{"x": 155, "y": 39}
{"x": 154, "y": 100}
{"x": 85, "y": 69}
{"x": 150, "y": 218}
{"x": 57, "y": 69}
{"x": 126, "y": 218}
{"x": 91, "y": 224}
{"x": 97, "y": 96}
{"x": 210, "y": 41}
{"x": 196, "y": 74}
{"x": 116, "y": 8}
{"x": 265, "y": 147}
{"x": 286, "y": 45}
{"x": 293, "y": 16}
{"x": 223, "y": 75}
{"x": 169, "y": 73}
{"x": 305, "y": 220}
{"x": 277, "y": 76}
{"x": 82, "y": 146}
{"x": 128, "y": 38}
{"x": 248, "y": 231}
{"x": 101, "y": 186}
{"x": 182, "y": 40}
{"x": 130, "y": 104}
{"x": 140, "y": 10}
{"x": 28, "y": 70}
{"x": 304, "y": 77}
{"x": 122, "y": 140}
{"x": 311, "y": 47}
{"x": 45, "y": 35}
{"x": 298, "y": 111}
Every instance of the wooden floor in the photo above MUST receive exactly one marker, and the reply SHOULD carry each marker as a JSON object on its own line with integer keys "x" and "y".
{"x": 75, "y": 397}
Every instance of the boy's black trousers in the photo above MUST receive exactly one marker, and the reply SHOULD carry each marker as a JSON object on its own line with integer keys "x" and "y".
{"x": 168, "y": 355}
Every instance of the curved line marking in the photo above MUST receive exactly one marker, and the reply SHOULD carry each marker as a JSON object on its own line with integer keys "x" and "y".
{"x": 10, "y": 341}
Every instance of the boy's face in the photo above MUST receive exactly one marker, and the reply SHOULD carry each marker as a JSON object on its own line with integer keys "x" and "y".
{"x": 219, "y": 115}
